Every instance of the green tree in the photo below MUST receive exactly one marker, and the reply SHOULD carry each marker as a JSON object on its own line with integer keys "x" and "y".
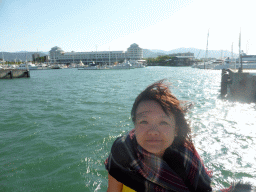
{"x": 163, "y": 60}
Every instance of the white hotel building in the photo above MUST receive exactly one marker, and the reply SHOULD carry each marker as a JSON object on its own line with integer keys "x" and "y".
{"x": 57, "y": 55}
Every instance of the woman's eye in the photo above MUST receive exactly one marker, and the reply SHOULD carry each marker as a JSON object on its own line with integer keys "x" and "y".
{"x": 164, "y": 123}
{"x": 143, "y": 122}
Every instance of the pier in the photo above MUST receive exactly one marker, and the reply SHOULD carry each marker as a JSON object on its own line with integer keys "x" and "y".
{"x": 13, "y": 73}
{"x": 239, "y": 84}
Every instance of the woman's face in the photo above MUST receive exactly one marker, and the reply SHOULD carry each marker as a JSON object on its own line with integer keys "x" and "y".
{"x": 154, "y": 130}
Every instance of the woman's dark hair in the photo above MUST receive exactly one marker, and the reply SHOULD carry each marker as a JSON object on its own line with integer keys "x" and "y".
{"x": 160, "y": 93}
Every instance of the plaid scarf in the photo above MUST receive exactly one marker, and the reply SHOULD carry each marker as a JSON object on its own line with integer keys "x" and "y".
{"x": 180, "y": 169}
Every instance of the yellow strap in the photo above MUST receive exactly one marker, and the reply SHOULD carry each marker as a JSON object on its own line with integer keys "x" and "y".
{"x": 127, "y": 189}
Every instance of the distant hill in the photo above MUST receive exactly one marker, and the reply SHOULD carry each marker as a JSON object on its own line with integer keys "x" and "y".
{"x": 152, "y": 53}
{"x": 198, "y": 53}
{"x": 20, "y": 56}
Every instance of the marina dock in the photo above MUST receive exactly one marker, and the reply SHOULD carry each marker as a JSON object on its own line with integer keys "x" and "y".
{"x": 14, "y": 73}
{"x": 239, "y": 84}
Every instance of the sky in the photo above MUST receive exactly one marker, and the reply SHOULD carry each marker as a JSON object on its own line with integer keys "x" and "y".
{"x": 103, "y": 25}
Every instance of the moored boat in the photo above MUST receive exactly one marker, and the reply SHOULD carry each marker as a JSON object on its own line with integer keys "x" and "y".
{"x": 248, "y": 62}
{"x": 31, "y": 66}
{"x": 56, "y": 66}
{"x": 124, "y": 65}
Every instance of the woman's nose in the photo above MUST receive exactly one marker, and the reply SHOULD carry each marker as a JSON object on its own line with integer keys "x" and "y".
{"x": 153, "y": 130}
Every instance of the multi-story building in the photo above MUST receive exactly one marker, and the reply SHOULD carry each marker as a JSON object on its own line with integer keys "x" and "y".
{"x": 134, "y": 52}
{"x": 57, "y": 55}
{"x": 35, "y": 56}
{"x": 183, "y": 59}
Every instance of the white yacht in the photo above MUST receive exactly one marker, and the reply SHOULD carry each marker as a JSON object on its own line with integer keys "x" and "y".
{"x": 31, "y": 66}
{"x": 56, "y": 66}
{"x": 80, "y": 65}
{"x": 209, "y": 64}
{"x": 138, "y": 64}
{"x": 43, "y": 66}
{"x": 248, "y": 61}
{"x": 91, "y": 66}
{"x": 124, "y": 65}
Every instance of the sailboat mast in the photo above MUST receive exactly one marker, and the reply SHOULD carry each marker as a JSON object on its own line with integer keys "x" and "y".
{"x": 26, "y": 61}
{"x": 206, "y": 52}
{"x": 240, "y": 56}
{"x": 96, "y": 55}
{"x": 109, "y": 56}
{"x": 247, "y": 47}
{"x": 232, "y": 57}
{"x": 232, "y": 50}
{"x": 3, "y": 56}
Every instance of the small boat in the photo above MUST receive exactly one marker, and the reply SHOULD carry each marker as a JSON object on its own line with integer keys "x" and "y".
{"x": 124, "y": 65}
{"x": 248, "y": 62}
{"x": 91, "y": 66}
{"x": 56, "y": 66}
{"x": 138, "y": 64}
{"x": 80, "y": 65}
{"x": 43, "y": 66}
{"x": 31, "y": 66}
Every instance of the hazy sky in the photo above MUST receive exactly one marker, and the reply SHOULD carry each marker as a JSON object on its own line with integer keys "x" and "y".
{"x": 28, "y": 25}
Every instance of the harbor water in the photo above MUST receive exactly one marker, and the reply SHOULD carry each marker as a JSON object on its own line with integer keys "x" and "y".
{"x": 57, "y": 127}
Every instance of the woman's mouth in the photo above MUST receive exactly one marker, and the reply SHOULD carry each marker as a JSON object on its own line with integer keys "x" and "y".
{"x": 153, "y": 141}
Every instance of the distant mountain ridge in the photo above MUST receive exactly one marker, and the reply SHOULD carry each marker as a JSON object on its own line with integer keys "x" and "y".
{"x": 198, "y": 53}
{"x": 20, "y": 55}
{"x": 147, "y": 53}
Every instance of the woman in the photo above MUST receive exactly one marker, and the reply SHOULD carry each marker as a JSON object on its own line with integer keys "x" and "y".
{"x": 158, "y": 155}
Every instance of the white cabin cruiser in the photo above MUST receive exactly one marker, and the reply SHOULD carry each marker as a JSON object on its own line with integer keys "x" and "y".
{"x": 91, "y": 66}
{"x": 248, "y": 61}
{"x": 31, "y": 66}
{"x": 124, "y": 65}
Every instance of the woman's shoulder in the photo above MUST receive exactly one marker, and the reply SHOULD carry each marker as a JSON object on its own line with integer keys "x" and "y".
{"x": 123, "y": 150}
{"x": 127, "y": 189}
